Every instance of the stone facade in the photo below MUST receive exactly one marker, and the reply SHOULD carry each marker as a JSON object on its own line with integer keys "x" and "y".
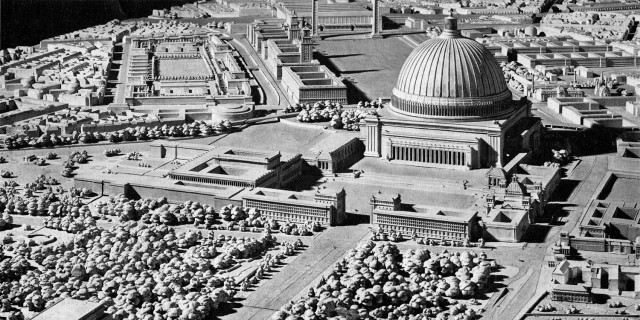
{"x": 465, "y": 146}
{"x": 389, "y": 214}
{"x": 325, "y": 207}
{"x": 313, "y": 83}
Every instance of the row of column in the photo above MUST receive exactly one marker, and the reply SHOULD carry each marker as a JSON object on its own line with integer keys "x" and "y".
{"x": 456, "y": 158}
{"x": 448, "y": 111}
{"x": 211, "y": 181}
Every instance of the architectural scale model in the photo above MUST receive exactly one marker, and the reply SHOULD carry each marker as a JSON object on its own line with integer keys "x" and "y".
{"x": 323, "y": 159}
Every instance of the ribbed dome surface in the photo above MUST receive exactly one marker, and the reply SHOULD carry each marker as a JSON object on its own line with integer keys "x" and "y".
{"x": 451, "y": 68}
{"x": 451, "y": 77}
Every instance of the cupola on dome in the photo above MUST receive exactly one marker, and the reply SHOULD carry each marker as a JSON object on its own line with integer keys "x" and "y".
{"x": 451, "y": 78}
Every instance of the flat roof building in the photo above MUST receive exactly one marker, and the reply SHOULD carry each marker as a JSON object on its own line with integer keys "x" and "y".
{"x": 238, "y": 167}
{"x": 312, "y": 83}
{"x": 388, "y": 214}
{"x": 571, "y": 293}
{"x": 324, "y": 206}
{"x": 72, "y": 309}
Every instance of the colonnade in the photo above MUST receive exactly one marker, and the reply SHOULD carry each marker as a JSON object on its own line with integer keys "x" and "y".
{"x": 426, "y": 155}
{"x": 212, "y": 181}
{"x": 449, "y": 111}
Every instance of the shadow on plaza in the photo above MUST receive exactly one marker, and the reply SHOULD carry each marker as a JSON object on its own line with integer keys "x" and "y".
{"x": 556, "y": 212}
{"x": 590, "y": 142}
{"x": 337, "y": 56}
{"x": 537, "y": 233}
{"x": 564, "y": 190}
{"x": 354, "y": 94}
{"x": 359, "y": 71}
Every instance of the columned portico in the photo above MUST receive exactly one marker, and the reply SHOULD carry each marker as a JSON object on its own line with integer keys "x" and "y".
{"x": 451, "y": 108}
{"x": 430, "y": 154}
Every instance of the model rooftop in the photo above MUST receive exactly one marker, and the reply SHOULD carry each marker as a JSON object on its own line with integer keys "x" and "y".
{"x": 70, "y": 309}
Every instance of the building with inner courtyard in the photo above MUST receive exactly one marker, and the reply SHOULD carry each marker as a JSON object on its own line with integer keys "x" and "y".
{"x": 196, "y": 74}
{"x": 235, "y": 167}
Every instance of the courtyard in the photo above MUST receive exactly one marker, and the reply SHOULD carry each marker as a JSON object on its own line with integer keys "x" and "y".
{"x": 182, "y": 68}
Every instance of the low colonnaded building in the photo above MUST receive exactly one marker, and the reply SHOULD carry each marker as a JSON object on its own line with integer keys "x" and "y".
{"x": 571, "y": 293}
{"x": 335, "y": 153}
{"x": 233, "y": 166}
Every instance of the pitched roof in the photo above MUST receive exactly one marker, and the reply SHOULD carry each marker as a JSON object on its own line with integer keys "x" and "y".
{"x": 496, "y": 172}
{"x": 515, "y": 187}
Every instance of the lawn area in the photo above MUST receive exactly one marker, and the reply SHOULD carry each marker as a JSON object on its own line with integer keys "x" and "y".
{"x": 182, "y": 67}
{"x": 372, "y": 64}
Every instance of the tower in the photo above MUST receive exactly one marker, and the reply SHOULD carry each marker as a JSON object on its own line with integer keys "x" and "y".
{"x": 306, "y": 46}
{"x": 314, "y": 20}
{"x": 294, "y": 27}
{"x": 376, "y": 21}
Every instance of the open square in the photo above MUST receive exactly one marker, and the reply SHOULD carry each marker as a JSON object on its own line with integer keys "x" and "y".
{"x": 182, "y": 67}
{"x": 372, "y": 65}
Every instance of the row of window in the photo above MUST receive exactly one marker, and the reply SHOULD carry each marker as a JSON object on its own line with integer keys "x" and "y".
{"x": 572, "y": 297}
{"x": 286, "y": 208}
{"x": 293, "y": 217}
{"x": 339, "y": 95}
{"x": 423, "y": 232}
{"x": 345, "y": 20}
{"x": 419, "y": 223}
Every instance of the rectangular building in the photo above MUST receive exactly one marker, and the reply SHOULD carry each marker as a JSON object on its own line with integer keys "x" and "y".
{"x": 235, "y": 167}
{"x": 325, "y": 207}
{"x": 390, "y": 214}
{"x": 336, "y": 153}
{"x": 571, "y": 293}
{"x": 313, "y": 83}
{"x": 72, "y": 309}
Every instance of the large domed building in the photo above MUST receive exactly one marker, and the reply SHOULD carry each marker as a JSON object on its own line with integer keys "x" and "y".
{"x": 451, "y": 108}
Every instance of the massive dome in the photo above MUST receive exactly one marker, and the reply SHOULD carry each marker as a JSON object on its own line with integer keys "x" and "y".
{"x": 451, "y": 78}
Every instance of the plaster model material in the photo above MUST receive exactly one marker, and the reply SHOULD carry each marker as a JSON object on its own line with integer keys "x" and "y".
{"x": 323, "y": 160}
